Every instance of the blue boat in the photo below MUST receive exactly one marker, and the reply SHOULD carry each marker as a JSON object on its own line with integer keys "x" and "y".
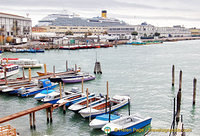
{"x": 74, "y": 99}
{"x": 117, "y": 102}
{"x": 126, "y": 125}
{"x": 42, "y": 94}
{"x": 102, "y": 120}
{"x": 43, "y": 84}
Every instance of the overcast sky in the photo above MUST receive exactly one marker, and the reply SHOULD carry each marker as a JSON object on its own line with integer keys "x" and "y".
{"x": 155, "y": 12}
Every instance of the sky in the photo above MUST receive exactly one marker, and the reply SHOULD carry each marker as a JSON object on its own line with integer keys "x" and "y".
{"x": 156, "y": 12}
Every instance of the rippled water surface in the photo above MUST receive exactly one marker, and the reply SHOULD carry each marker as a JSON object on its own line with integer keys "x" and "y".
{"x": 143, "y": 72}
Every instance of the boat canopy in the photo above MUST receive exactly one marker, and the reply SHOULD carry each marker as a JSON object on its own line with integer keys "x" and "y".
{"x": 105, "y": 117}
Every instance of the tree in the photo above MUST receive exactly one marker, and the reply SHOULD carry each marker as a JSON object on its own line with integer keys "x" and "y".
{"x": 145, "y": 35}
{"x": 69, "y": 33}
{"x": 89, "y": 33}
{"x": 157, "y": 34}
{"x": 135, "y": 33}
{"x": 105, "y": 32}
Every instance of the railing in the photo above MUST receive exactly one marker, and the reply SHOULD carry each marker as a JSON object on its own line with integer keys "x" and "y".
{"x": 7, "y": 131}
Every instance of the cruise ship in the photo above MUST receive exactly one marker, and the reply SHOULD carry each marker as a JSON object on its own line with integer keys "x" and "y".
{"x": 75, "y": 20}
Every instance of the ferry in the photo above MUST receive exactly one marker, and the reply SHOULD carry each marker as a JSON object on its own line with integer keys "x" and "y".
{"x": 25, "y": 63}
{"x": 11, "y": 69}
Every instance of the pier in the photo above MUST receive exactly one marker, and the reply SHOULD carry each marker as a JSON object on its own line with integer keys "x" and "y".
{"x": 14, "y": 81}
{"x": 31, "y": 113}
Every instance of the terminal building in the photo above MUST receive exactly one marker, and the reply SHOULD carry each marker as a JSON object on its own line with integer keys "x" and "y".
{"x": 12, "y": 26}
{"x": 147, "y": 30}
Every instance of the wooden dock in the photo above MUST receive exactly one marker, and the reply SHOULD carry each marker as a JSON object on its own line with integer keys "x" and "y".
{"x": 15, "y": 81}
{"x": 25, "y": 112}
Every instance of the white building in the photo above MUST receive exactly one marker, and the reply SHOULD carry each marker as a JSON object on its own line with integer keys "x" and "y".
{"x": 147, "y": 30}
{"x": 14, "y": 26}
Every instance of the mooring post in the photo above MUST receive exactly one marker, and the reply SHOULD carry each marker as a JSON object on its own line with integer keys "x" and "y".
{"x": 45, "y": 69}
{"x": 30, "y": 119}
{"x": 87, "y": 97}
{"x": 47, "y": 112}
{"x": 107, "y": 96}
{"x": 29, "y": 74}
{"x": 54, "y": 71}
{"x": 75, "y": 68}
{"x": 64, "y": 109}
{"x": 51, "y": 120}
{"x": 34, "y": 120}
{"x": 129, "y": 109}
{"x": 180, "y": 80}
{"x": 106, "y": 105}
{"x": 23, "y": 74}
{"x": 60, "y": 91}
{"x": 97, "y": 68}
{"x": 173, "y": 70}
{"x": 194, "y": 90}
{"x": 66, "y": 65}
{"x": 5, "y": 76}
{"x": 178, "y": 105}
{"x": 82, "y": 84}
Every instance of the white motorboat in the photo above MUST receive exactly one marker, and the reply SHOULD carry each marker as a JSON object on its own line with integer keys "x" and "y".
{"x": 126, "y": 125}
{"x": 83, "y": 104}
{"x": 116, "y": 102}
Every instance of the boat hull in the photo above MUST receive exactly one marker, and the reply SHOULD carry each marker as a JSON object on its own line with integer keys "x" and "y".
{"x": 78, "y": 80}
{"x": 37, "y": 91}
{"x": 131, "y": 129}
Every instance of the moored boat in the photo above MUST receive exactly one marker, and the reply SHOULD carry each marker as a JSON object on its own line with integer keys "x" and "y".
{"x": 26, "y": 63}
{"x": 116, "y": 102}
{"x": 126, "y": 125}
{"x": 55, "y": 96}
{"x": 102, "y": 120}
{"x": 10, "y": 69}
{"x": 83, "y": 104}
{"x": 74, "y": 99}
{"x": 43, "y": 94}
{"x": 78, "y": 79}
{"x": 43, "y": 84}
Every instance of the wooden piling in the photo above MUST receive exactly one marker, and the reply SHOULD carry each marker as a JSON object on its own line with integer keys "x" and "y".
{"x": 47, "y": 112}
{"x": 82, "y": 84}
{"x": 60, "y": 91}
{"x": 23, "y": 73}
{"x": 129, "y": 110}
{"x": 34, "y": 120}
{"x": 45, "y": 69}
{"x": 66, "y": 65}
{"x": 87, "y": 97}
{"x": 29, "y": 74}
{"x": 63, "y": 87}
{"x": 106, "y": 105}
{"x": 107, "y": 96}
{"x": 54, "y": 71}
{"x": 64, "y": 109}
{"x": 5, "y": 76}
{"x": 30, "y": 119}
{"x": 97, "y": 68}
{"x": 180, "y": 80}
{"x": 51, "y": 119}
{"x": 75, "y": 68}
{"x": 173, "y": 75}
{"x": 178, "y": 105}
{"x": 194, "y": 90}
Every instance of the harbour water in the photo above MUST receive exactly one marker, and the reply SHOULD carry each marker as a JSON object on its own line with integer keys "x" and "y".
{"x": 143, "y": 72}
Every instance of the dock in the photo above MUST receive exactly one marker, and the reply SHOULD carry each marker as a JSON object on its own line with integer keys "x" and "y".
{"x": 31, "y": 112}
{"x": 15, "y": 81}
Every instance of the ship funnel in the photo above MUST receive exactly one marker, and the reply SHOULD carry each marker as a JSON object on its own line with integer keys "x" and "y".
{"x": 104, "y": 14}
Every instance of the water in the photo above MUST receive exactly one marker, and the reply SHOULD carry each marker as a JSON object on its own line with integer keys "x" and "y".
{"x": 143, "y": 72}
